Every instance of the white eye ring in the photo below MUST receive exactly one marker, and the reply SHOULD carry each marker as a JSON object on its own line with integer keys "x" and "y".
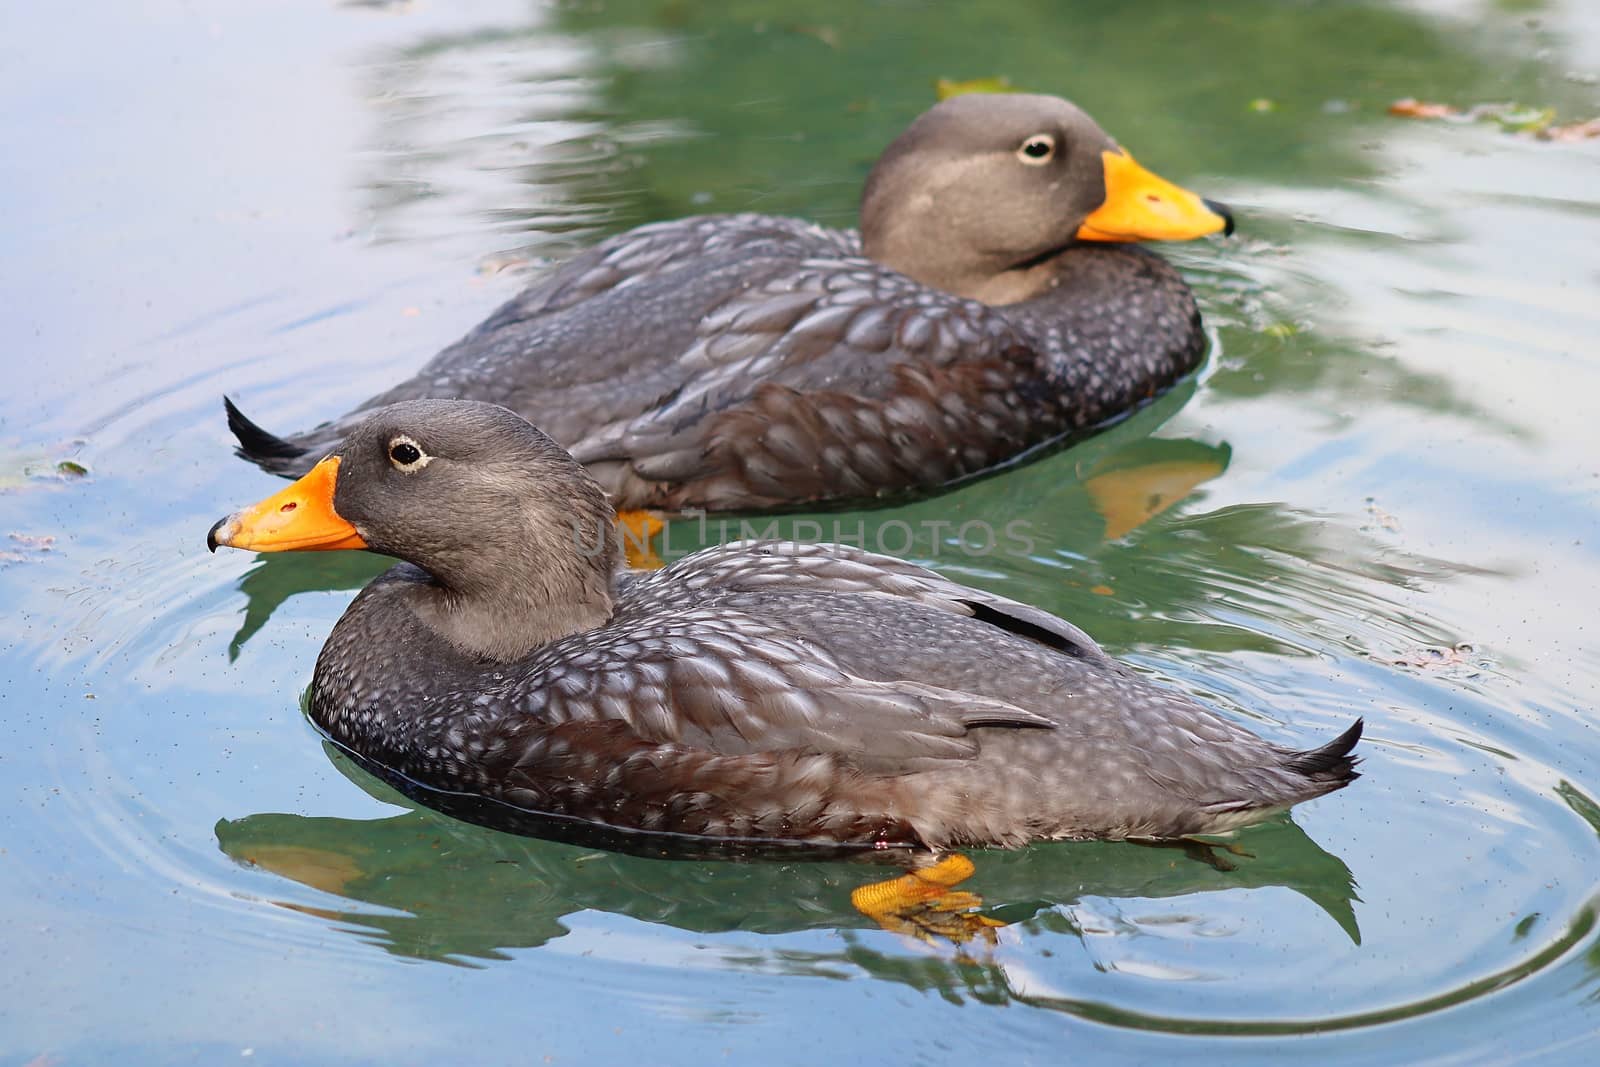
{"x": 406, "y": 455}
{"x": 1037, "y": 150}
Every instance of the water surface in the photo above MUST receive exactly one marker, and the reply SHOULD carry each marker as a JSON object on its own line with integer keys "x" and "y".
{"x": 1380, "y": 497}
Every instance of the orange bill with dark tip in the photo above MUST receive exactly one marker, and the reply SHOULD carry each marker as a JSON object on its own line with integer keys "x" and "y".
{"x": 1140, "y": 206}
{"x": 300, "y": 517}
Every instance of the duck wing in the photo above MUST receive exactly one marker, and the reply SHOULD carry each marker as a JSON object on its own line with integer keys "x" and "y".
{"x": 696, "y": 655}
{"x": 658, "y": 249}
{"x": 1128, "y": 745}
{"x": 723, "y": 682}
{"x": 832, "y": 378}
{"x": 757, "y": 566}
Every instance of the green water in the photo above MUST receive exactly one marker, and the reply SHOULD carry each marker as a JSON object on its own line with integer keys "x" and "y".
{"x": 1380, "y": 497}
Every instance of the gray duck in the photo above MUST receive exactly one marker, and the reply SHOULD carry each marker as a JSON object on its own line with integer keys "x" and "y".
{"x": 992, "y": 302}
{"x": 756, "y": 692}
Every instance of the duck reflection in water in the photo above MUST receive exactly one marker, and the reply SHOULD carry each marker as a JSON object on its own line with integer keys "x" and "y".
{"x": 445, "y": 890}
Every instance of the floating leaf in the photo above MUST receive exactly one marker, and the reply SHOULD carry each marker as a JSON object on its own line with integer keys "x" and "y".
{"x": 1411, "y": 108}
{"x": 37, "y": 469}
{"x": 1512, "y": 117}
{"x": 945, "y": 88}
{"x": 1454, "y": 658}
{"x": 1572, "y": 131}
{"x": 1281, "y": 330}
{"x": 1516, "y": 119}
{"x": 21, "y": 548}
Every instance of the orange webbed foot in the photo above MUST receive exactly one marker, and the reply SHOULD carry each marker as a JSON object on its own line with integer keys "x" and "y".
{"x": 923, "y": 904}
{"x": 636, "y": 529}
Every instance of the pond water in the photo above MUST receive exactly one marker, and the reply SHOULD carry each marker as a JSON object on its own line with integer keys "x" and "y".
{"x": 1379, "y": 497}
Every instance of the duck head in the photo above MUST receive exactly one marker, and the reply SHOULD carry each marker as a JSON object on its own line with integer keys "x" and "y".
{"x": 983, "y": 189}
{"x": 516, "y": 536}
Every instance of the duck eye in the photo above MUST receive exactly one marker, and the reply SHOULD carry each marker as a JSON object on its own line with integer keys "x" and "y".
{"x": 406, "y": 455}
{"x": 1037, "y": 149}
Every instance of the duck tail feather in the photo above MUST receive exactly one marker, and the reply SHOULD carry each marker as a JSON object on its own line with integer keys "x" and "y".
{"x": 1332, "y": 761}
{"x": 266, "y": 450}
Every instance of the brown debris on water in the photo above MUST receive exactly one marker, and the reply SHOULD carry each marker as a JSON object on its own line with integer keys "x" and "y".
{"x": 1537, "y": 122}
{"x": 1572, "y": 131}
{"x": 1412, "y": 108}
{"x": 1452, "y": 658}
{"x": 25, "y": 548}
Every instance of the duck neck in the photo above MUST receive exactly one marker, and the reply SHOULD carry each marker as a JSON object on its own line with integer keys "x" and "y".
{"x": 919, "y": 251}
{"x": 1020, "y": 281}
{"x": 507, "y": 600}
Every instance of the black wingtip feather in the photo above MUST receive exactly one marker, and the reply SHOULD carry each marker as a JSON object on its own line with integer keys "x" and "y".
{"x": 256, "y": 444}
{"x": 1332, "y": 760}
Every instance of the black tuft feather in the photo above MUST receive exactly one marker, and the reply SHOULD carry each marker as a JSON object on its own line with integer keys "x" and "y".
{"x": 1332, "y": 760}
{"x": 256, "y": 444}
{"x": 1055, "y": 638}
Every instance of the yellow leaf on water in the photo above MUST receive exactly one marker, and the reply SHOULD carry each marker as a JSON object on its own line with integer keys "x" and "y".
{"x": 1517, "y": 119}
{"x": 1511, "y": 117}
{"x": 945, "y": 88}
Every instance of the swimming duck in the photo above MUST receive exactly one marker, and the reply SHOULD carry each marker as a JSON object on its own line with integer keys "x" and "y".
{"x": 991, "y": 302}
{"x": 814, "y": 695}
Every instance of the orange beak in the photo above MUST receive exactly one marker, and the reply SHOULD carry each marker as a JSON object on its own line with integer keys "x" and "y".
{"x": 1140, "y": 206}
{"x": 300, "y": 517}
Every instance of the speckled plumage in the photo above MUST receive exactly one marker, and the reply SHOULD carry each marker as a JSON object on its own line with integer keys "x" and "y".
{"x": 765, "y": 691}
{"x": 748, "y": 362}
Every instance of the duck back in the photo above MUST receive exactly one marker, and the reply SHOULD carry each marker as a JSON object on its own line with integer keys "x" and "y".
{"x": 750, "y": 362}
